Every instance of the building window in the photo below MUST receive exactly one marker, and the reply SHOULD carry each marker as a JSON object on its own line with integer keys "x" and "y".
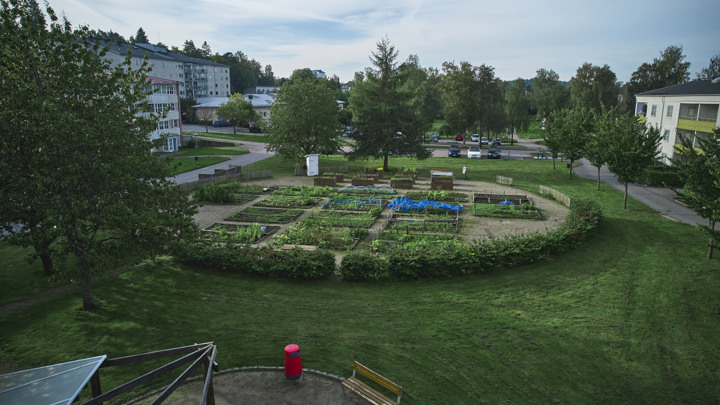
{"x": 653, "y": 111}
{"x": 666, "y": 135}
{"x": 669, "y": 111}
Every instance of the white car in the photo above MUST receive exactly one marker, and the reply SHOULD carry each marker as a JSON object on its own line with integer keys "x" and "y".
{"x": 474, "y": 153}
{"x": 474, "y": 138}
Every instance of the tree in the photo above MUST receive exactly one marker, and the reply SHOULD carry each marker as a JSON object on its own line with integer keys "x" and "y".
{"x": 596, "y": 148}
{"x": 82, "y": 175}
{"x": 712, "y": 71}
{"x": 205, "y": 50}
{"x": 189, "y": 49}
{"x": 594, "y": 88}
{"x": 701, "y": 170}
{"x": 303, "y": 120}
{"x": 384, "y": 118}
{"x": 140, "y": 37}
{"x": 458, "y": 96}
{"x": 548, "y": 94}
{"x": 237, "y": 111}
{"x": 516, "y": 107}
{"x": 204, "y": 116}
{"x": 567, "y": 131}
{"x": 187, "y": 110}
{"x": 631, "y": 148}
{"x": 666, "y": 71}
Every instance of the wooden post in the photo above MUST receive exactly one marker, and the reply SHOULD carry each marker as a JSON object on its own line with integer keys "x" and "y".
{"x": 95, "y": 384}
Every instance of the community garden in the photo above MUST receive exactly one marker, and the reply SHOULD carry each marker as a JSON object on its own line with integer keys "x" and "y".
{"x": 623, "y": 310}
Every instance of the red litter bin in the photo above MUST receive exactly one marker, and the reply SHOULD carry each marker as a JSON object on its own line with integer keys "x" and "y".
{"x": 293, "y": 365}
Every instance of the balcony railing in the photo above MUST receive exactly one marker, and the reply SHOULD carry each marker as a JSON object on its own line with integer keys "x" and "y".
{"x": 693, "y": 118}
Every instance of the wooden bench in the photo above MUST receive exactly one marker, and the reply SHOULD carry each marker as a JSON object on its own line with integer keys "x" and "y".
{"x": 368, "y": 393}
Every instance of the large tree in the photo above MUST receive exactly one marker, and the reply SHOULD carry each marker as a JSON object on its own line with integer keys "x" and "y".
{"x": 668, "y": 70}
{"x": 140, "y": 37}
{"x": 75, "y": 156}
{"x": 303, "y": 120}
{"x": 631, "y": 148}
{"x": 712, "y": 71}
{"x": 567, "y": 131}
{"x": 594, "y": 88}
{"x": 700, "y": 168}
{"x": 516, "y": 107}
{"x": 547, "y": 93}
{"x": 237, "y": 111}
{"x": 385, "y": 120}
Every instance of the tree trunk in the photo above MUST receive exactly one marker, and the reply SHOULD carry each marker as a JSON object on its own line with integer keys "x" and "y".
{"x": 625, "y": 198}
{"x": 570, "y": 171}
{"x": 598, "y": 187}
{"x": 234, "y": 131}
{"x": 553, "y": 158}
{"x": 386, "y": 165}
{"x": 87, "y": 294}
{"x": 47, "y": 262}
{"x": 711, "y": 242}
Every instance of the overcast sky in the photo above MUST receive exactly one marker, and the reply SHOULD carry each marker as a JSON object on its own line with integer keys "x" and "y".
{"x": 516, "y": 37}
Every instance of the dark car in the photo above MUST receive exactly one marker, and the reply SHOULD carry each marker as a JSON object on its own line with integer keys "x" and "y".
{"x": 454, "y": 151}
{"x": 496, "y": 141}
{"x": 220, "y": 123}
{"x": 494, "y": 153}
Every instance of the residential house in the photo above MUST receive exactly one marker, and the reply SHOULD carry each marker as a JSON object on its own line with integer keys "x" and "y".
{"x": 684, "y": 110}
{"x": 207, "y": 106}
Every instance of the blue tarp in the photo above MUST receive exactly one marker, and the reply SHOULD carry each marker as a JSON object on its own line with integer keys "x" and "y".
{"x": 405, "y": 204}
{"x": 506, "y": 202}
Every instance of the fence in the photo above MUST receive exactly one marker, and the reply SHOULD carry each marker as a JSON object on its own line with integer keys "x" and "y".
{"x": 556, "y": 195}
{"x": 504, "y": 180}
{"x": 223, "y": 177}
{"x": 301, "y": 171}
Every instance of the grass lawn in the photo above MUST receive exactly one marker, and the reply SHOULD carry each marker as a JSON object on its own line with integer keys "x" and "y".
{"x": 234, "y": 137}
{"x": 533, "y": 131}
{"x": 183, "y": 165}
{"x": 215, "y": 150}
{"x": 630, "y": 317}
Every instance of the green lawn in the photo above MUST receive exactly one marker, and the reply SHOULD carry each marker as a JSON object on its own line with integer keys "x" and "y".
{"x": 187, "y": 164}
{"x": 215, "y": 150}
{"x": 234, "y": 137}
{"x": 533, "y": 131}
{"x": 631, "y": 317}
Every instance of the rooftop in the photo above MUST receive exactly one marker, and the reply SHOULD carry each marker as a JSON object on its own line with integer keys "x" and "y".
{"x": 694, "y": 88}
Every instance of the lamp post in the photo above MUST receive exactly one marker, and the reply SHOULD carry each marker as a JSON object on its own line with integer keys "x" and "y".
{"x": 197, "y": 150}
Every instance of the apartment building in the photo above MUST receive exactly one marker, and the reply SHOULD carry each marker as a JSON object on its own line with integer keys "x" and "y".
{"x": 165, "y": 100}
{"x": 684, "y": 110}
{"x": 197, "y": 77}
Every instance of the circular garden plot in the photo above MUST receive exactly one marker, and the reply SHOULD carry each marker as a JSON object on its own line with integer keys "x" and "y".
{"x": 504, "y": 206}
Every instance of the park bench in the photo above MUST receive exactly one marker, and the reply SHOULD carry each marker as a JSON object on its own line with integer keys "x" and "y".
{"x": 368, "y": 393}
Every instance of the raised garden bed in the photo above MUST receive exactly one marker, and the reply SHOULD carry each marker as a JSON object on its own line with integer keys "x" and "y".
{"x": 522, "y": 211}
{"x": 441, "y": 183}
{"x": 453, "y": 197}
{"x": 288, "y": 201}
{"x": 338, "y": 176}
{"x": 402, "y": 183}
{"x": 325, "y": 181}
{"x": 326, "y": 237}
{"x": 408, "y": 174}
{"x": 363, "y": 181}
{"x": 265, "y": 215}
{"x": 237, "y": 233}
{"x": 498, "y": 198}
{"x": 343, "y": 219}
{"x": 244, "y": 198}
{"x": 380, "y": 189}
{"x": 353, "y": 203}
{"x": 308, "y": 191}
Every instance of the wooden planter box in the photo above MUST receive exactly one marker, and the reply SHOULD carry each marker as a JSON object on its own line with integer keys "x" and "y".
{"x": 325, "y": 181}
{"x": 363, "y": 182}
{"x": 404, "y": 184}
{"x": 412, "y": 175}
{"x": 375, "y": 175}
{"x": 338, "y": 176}
{"x": 441, "y": 183}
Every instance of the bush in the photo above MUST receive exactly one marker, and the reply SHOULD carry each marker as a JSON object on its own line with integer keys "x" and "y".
{"x": 255, "y": 130}
{"x": 213, "y": 193}
{"x": 661, "y": 175}
{"x": 362, "y": 266}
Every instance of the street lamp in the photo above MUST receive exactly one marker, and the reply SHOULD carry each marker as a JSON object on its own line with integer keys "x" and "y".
{"x": 197, "y": 150}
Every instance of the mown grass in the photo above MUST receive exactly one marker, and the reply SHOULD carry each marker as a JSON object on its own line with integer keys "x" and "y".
{"x": 187, "y": 164}
{"x": 630, "y": 317}
{"x": 234, "y": 137}
{"x": 533, "y": 131}
{"x": 212, "y": 150}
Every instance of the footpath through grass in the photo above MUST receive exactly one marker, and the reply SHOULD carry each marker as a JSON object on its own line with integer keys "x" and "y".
{"x": 631, "y": 317}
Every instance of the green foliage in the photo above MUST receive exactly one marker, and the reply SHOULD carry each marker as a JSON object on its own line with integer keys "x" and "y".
{"x": 567, "y": 132}
{"x": 517, "y": 107}
{"x": 594, "y": 88}
{"x": 548, "y": 94}
{"x": 237, "y": 111}
{"x": 76, "y": 158}
{"x": 661, "y": 175}
{"x": 220, "y": 193}
{"x": 303, "y": 120}
{"x": 363, "y": 266}
{"x": 302, "y": 190}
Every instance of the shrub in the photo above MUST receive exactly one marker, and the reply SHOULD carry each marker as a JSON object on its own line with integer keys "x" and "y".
{"x": 661, "y": 175}
{"x": 213, "y": 193}
{"x": 362, "y": 266}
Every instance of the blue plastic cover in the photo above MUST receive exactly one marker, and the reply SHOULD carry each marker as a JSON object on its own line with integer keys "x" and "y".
{"x": 506, "y": 202}
{"x": 405, "y": 204}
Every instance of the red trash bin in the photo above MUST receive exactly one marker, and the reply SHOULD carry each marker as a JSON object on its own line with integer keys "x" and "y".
{"x": 293, "y": 365}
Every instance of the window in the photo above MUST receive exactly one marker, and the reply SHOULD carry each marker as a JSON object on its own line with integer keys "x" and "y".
{"x": 666, "y": 135}
{"x": 176, "y": 123}
{"x": 170, "y": 89}
{"x": 669, "y": 111}
{"x": 163, "y": 125}
{"x": 653, "y": 111}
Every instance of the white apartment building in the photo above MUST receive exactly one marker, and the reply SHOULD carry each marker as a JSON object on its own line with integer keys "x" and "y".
{"x": 684, "y": 110}
{"x": 165, "y": 100}
{"x": 197, "y": 77}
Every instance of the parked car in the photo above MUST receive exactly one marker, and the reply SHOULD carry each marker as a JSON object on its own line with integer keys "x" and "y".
{"x": 434, "y": 137}
{"x": 454, "y": 151}
{"x": 459, "y": 138}
{"x": 496, "y": 141}
{"x": 220, "y": 123}
{"x": 475, "y": 138}
{"x": 474, "y": 153}
{"x": 484, "y": 141}
{"x": 494, "y": 153}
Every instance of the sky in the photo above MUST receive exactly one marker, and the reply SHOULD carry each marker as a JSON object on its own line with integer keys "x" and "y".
{"x": 515, "y": 37}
